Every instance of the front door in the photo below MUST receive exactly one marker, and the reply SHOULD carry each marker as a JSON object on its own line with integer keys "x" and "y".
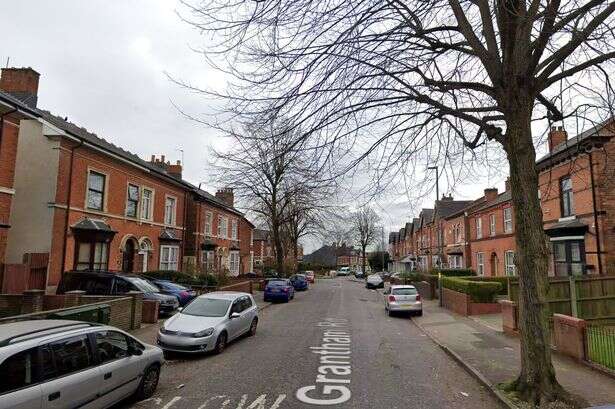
{"x": 128, "y": 257}
{"x": 494, "y": 264}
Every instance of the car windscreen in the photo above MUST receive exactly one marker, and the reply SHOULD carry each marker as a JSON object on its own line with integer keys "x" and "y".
{"x": 403, "y": 291}
{"x": 207, "y": 307}
{"x": 142, "y": 285}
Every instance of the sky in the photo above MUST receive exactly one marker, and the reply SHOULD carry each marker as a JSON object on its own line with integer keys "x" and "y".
{"x": 106, "y": 66}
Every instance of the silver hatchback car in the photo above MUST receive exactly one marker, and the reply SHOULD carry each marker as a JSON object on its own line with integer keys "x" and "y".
{"x": 209, "y": 322}
{"x": 70, "y": 364}
{"x": 403, "y": 298}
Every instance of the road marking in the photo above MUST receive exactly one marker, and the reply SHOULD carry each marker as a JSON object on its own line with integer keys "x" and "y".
{"x": 171, "y": 402}
{"x": 335, "y": 362}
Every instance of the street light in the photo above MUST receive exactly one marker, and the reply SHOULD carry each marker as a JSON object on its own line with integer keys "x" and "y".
{"x": 437, "y": 181}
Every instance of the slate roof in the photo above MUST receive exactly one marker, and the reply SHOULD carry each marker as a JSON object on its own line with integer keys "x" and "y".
{"x": 10, "y": 99}
{"x": 169, "y": 235}
{"x": 92, "y": 224}
{"x": 445, "y": 208}
{"x": 426, "y": 217}
{"x": 261, "y": 234}
{"x": 501, "y": 198}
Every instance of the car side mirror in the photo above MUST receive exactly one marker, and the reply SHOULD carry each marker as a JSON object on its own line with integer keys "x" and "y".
{"x": 235, "y": 315}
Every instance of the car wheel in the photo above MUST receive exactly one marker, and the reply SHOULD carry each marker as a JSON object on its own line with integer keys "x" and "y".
{"x": 220, "y": 343}
{"x": 149, "y": 382}
{"x": 252, "y": 331}
{"x": 419, "y": 314}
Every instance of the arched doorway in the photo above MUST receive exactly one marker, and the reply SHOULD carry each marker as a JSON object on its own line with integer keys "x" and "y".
{"x": 128, "y": 256}
{"x": 494, "y": 264}
{"x": 145, "y": 249}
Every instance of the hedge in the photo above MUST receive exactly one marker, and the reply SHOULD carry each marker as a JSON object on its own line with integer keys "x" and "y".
{"x": 454, "y": 272}
{"x": 479, "y": 291}
{"x": 499, "y": 279}
{"x": 183, "y": 278}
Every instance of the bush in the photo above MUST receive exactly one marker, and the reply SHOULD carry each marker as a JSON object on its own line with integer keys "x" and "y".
{"x": 479, "y": 291}
{"x": 454, "y": 272}
{"x": 501, "y": 280}
{"x": 183, "y": 278}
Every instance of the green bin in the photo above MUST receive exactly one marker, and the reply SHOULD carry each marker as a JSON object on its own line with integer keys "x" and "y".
{"x": 89, "y": 313}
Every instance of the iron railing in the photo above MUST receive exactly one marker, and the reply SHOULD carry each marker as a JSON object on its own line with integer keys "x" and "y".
{"x": 600, "y": 341}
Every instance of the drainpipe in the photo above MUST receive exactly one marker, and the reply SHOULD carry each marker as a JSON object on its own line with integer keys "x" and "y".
{"x": 598, "y": 250}
{"x": 68, "y": 198}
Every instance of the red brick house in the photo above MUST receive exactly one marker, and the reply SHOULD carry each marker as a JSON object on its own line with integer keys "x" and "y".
{"x": 424, "y": 240}
{"x": 577, "y": 192}
{"x": 219, "y": 236}
{"x": 263, "y": 249}
{"x": 12, "y": 111}
{"x": 442, "y": 254}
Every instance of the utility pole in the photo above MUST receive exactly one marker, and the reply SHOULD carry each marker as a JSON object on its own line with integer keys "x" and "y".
{"x": 437, "y": 181}
{"x": 382, "y": 240}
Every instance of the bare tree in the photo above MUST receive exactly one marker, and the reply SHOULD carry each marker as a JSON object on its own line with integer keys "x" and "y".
{"x": 394, "y": 78}
{"x": 365, "y": 224}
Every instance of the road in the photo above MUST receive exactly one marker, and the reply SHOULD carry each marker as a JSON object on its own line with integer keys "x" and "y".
{"x": 391, "y": 363}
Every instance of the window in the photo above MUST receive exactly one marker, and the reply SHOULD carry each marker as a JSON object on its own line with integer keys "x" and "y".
{"x": 132, "y": 201}
{"x": 19, "y": 371}
{"x": 492, "y": 224}
{"x": 455, "y": 261}
{"x": 509, "y": 263}
{"x": 222, "y": 227}
{"x": 480, "y": 264}
{"x": 71, "y": 355}
{"x": 208, "y": 223}
{"x": 508, "y": 227}
{"x": 569, "y": 257}
{"x": 567, "y": 202}
{"x": 479, "y": 228}
{"x": 207, "y": 260}
{"x": 246, "y": 303}
{"x": 168, "y": 257}
{"x": 96, "y": 191}
{"x": 234, "y": 262}
{"x": 234, "y": 229}
{"x": 435, "y": 261}
{"x": 92, "y": 255}
{"x": 169, "y": 211}
{"x": 111, "y": 345}
{"x": 147, "y": 196}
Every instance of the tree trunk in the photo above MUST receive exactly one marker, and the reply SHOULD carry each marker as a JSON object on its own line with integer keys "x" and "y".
{"x": 363, "y": 260}
{"x": 536, "y": 382}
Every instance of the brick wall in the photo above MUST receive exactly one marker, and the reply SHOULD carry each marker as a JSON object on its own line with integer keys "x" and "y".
{"x": 8, "y": 155}
{"x": 10, "y": 304}
{"x": 461, "y": 304}
{"x": 244, "y": 286}
{"x": 569, "y": 335}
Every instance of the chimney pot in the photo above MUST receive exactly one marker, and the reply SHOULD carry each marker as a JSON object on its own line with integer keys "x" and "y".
{"x": 557, "y": 137}
{"x": 162, "y": 158}
{"x": 21, "y": 83}
{"x": 491, "y": 193}
{"x": 153, "y": 158}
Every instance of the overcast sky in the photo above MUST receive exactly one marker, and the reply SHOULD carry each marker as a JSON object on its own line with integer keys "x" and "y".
{"x": 103, "y": 65}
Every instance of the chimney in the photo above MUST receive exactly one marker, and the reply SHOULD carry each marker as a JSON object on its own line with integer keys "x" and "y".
{"x": 557, "y": 136}
{"x": 490, "y": 194}
{"x": 173, "y": 170}
{"x": 22, "y": 83}
{"x": 507, "y": 184}
{"x": 227, "y": 196}
{"x": 446, "y": 198}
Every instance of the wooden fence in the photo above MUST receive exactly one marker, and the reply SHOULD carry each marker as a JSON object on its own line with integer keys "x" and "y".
{"x": 590, "y": 298}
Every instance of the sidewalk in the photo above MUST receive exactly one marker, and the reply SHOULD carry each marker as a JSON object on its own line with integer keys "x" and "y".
{"x": 148, "y": 332}
{"x": 494, "y": 356}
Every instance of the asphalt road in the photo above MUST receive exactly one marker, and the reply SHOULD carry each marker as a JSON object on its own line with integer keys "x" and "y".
{"x": 391, "y": 363}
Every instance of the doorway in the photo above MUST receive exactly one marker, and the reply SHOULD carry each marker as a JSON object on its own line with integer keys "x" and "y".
{"x": 494, "y": 264}
{"x": 128, "y": 256}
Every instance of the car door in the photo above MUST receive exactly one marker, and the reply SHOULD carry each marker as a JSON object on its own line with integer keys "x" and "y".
{"x": 71, "y": 376}
{"x": 234, "y": 324}
{"x": 20, "y": 374}
{"x": 246, "y": 314}
{"x": 119, "y": 368}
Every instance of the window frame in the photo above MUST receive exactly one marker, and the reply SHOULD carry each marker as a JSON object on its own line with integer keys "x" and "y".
{"x": 509, "y": 269}
{"x": 568, "y": 257}
{"x": 508, "y": 223}
{"x": 90, "y": 348}
{"x": 209, "y": 223}
{"x": 137, "y": 202}
{"x": 36, "y": 370}
{"x": 480, "y": 263}
{"x": 150, "y": 207}
{"x": 566, "y": 197}
{"x": 173, "y": 215}
{"x": 492, "y": 225}
{"x": 234, "y": 229}
{"x": 102, "y": 193}
{"x": 168, "y": 262}
{"x": 95, "y": 345}
{"x": 479, "y": 227}
{"x": 103, "y": 266}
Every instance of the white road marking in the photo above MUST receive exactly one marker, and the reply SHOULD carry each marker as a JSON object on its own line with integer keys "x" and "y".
{"x": 171, "y": 402}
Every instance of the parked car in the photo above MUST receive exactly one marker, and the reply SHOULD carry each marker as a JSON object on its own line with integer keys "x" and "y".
{"x": 403, "y": 298}
{"x": 251, "y": 274}
{"x": 299, "y": 282}
{"x": 359, "y": 274}
{"x": 374, "y": 281}
{"x": 310, "y": 276}
{"x": 209, "y": 322}
{"x": 279, "y": 290}
{"x": 385, "y": 274}
{"x": 184, "y": 294}
{"x": 107, "y": 283}
{"x": 343, "y": 271}
{"x": 70, "y": 364}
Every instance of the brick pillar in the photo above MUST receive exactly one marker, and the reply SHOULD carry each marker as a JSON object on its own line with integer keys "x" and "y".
{"x": 32, "y": 301}
{"x": 137, "y": 309}
{"x": 569, "y": 335}
{"x": 509, "y": 317}
{"x": 73, "y": 298}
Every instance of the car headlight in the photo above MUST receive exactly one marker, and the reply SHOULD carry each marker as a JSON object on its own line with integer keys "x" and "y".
{"x": 204, "y": 333}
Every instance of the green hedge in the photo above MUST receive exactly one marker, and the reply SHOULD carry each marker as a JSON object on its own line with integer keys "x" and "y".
{"x": 454, "y": 272}
{"x": 479, "y": 291}
{"x": 501, "y": 280}
{"x": 183, "y": 278}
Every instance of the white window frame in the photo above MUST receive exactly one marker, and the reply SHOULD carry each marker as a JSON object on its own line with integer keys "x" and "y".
{"x": 508, "y": 223}
{"x": 222, "y": 227}
{"x": 455, "y": 261}
{"x": 171, "y": 263}
{"x": 105, "y": 191}
{"x": 174, "y": 211}
{"x": 149, "y": 215}
{"x": 492, "y": 224}
{"x": 479, "y": 227}
{"x": 209, "y": 223}
{"x": 233, "y": 262}
{"x": 139, "y": 189}
{"x": 234, "y": 229}
{"x": 480, "y": 264}
{"x": 208, "y": 258}
{"x": 509, "y": 265}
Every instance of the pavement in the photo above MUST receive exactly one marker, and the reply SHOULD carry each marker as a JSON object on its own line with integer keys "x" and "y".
{"x": 479, "y": 343}
{"x": 387, "y": 362}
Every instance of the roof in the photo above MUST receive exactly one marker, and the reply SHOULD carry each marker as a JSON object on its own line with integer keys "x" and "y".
{"x": 93, "y": 224}
{"x": 426, "y": 217}
{"x": 18, "y": 104}
{"x": 225, "y": 295}
{"x": 597, "y": 134}
{"x": 169, "y": 235}
{"x": 501, "y": 198}
{"x": 409, "y": 228}
{"x": 393, "y": 236}
{"x": 42, "y": 327}
{"x": 261, "y": 234}
{"x": 203, "y": 194}
{"x": 571, "y": 227}
{"x": 445, "y": 208}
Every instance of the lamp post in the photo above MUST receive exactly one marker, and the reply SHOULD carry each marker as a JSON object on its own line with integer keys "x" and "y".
{"x": 437, "y": 180}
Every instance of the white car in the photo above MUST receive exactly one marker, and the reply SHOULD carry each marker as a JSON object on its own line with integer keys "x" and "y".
{"x": 73, "y": 364}
{"x": 209, "y": 322}
{"x": 343, "y": 271}
{"x": 403, "y": 298}
{"x": 374, "y": 281}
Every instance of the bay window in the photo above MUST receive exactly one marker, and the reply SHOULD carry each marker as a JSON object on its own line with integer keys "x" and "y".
{"x": 169, "y": 256}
